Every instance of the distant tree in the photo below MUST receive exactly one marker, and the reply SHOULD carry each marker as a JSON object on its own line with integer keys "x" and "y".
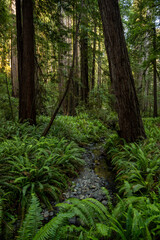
{"x": 143, "y": 39}
{"x": 14, "y": 60}
{"x": 130, "y": 122}
{"x": 84, "y": 59}
{"x": 25, "y": 45}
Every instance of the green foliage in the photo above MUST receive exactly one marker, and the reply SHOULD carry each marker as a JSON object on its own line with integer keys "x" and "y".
{"x": 5, "y": 113}
{"x": 4, "y": 17}
{"x": 38, "y": 166}
{"x": 80, "y": 129}
{"x": 88, "y": 212}
{"x": 38, "y": 169}
{"x": 30, "y": 164}
{"x": 32, "y": 221}
{"x": 132, "y": 218}
{"x": 52, "y": 229}
{"x": 1, "y": 215}
{"x": 137, "y": 215}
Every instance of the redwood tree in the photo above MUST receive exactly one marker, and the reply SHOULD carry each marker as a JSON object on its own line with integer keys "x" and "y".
{"x": 84, "y": 59}
{"x": 25, "y": 42}
{"x": 130, "y": 122}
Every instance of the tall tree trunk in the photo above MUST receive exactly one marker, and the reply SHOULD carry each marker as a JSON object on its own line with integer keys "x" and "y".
{"x": 74, "y": 87}
{"x": 99, "y": 63}
{"x": 19, "y": 44}
{"x": 14, "y": 60}
{"x": 130, "y": 122}
{"x": 155, "y": 114}
{"x": 84, "y": 61}
{"x": 94, "y": 58}
{"x": 25, "y": 41}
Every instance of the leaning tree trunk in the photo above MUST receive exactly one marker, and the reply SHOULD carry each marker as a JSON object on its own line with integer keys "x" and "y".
{"x": 26, "y": 73}
{"x": 130, "y": 122}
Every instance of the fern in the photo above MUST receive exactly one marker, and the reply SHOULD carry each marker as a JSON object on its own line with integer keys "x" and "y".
{"x": 32, "y": 222}
{"x": 1, "y": 215}
{"x": 51, "y": 229}
{"x": 88, "y": 210}
{"x": 109, "y": 204}
{"x": 103, "y": 229}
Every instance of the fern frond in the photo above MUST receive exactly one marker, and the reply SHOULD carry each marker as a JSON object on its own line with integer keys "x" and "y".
{"x": 103, "y": 229}
{"x": 109, "y": 204}
{"x": 98, "y": 210}
{"x": 1, "y": 215}
{"x": 32, "y": 222}
{"x": 50, "y": 230}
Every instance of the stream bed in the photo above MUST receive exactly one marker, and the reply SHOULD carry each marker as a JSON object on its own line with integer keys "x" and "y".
{"x": 94, "y": 175}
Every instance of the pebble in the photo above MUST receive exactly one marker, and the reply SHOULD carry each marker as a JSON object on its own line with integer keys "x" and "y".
{"x": 104, "y": 202}
{"x": 46, "y": 214}
{"x": 81, "y": 197}
{"x": 51, "y": 214}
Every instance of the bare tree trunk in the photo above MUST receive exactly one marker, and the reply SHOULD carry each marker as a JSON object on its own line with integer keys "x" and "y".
{"x": 94, "y": 58}
{"x": 19, "y": 44}
{"x": 84, "y": 60}
{"x": 155, "y": 114}
{"x": 14, "y": 60}
{"x": 99, "y": 64}
{"x": 25, "y": 40}
{"x": 73, "y": 95}
{"x": 130, "y": 122}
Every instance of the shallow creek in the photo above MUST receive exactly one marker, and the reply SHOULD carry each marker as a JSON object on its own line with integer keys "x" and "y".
{"x": 95, "y": 175}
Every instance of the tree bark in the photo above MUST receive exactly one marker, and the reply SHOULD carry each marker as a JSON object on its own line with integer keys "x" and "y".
{"x": 155, "y": 113}
{"x": 19, "y": 41}
{"x": 14, "y": 60}
{"x": 94, "y": 58}
{"x": 130, "y": 122}
{"x": 99, "y": 63}
{"x": 27, "y": 109}
{"x": 84, "y": 61}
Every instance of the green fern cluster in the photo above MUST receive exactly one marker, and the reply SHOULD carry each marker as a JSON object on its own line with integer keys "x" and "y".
{"x": 43, "y": 167}
{"x": 137, "y": 164}
{"x": 80, "y": 129}
{"x": 132, "y": 218}
{"x": 32, "y": 222}
{"x": 38, "y": 170}
{"x": 137, "y": 168}
{"x": 91, "y": 214}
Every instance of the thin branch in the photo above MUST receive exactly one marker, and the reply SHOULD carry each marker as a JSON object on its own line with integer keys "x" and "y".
{"x": 158, "y": 74}
{"x": 45, "y": 80}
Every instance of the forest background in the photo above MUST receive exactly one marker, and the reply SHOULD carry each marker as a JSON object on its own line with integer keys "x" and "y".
{"x": 54, "y": 66}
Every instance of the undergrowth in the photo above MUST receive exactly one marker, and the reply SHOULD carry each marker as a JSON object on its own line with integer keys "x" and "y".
{"x": 35, "y": 170}
{"x": 31, "y": 164}
{"x": 137, "y": 212}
